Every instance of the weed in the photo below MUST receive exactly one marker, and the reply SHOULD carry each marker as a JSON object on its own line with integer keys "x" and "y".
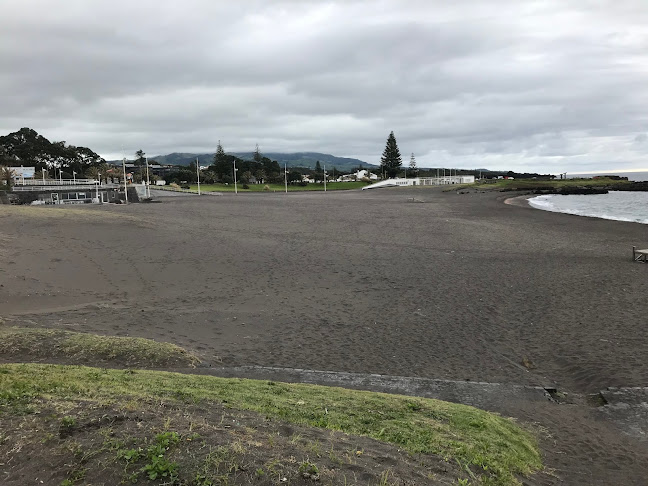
{"x": 68, "y": 422}
{"x": 130, "y": 456}
{"x": 160, "y": 467}
{"x": 384, "y": 478}
{"x": 309, "y": 470}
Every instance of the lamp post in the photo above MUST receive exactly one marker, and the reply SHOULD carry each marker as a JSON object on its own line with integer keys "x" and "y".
{"x": 286, "y": 177}
{"x": 43, "y": 171}
{"x": 235, "y": 169}
{"x": 125, "y": 188}
{"x": 324, "y": 177}
{"x": 198, "y": 174}
{"x": 148, "y": 181}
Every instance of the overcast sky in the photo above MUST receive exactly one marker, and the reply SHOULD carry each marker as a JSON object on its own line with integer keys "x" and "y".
{"x": 547, "y": 86}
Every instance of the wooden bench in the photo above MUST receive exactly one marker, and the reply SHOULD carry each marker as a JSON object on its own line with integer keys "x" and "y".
{"x": 639, "y": 255}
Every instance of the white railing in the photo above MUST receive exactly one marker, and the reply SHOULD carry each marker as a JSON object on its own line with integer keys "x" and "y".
{"x": 58, "y": 187}
{"x": 56, "y": 182}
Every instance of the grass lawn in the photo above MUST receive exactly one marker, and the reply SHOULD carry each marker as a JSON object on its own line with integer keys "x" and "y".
{"x": 491, "y": 448}
{"x": 330, "y": 186}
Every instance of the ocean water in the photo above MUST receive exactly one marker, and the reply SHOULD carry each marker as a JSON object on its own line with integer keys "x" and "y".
{"x": 617, "y": 205}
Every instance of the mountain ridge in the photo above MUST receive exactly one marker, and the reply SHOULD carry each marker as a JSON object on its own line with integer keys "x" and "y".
{"x": 291, "y": 159}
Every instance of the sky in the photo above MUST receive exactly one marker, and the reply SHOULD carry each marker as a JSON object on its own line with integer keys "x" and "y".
{"x": 540, "y": 86}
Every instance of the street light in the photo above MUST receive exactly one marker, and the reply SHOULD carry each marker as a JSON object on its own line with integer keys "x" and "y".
{"x": 125, "y": 188}
{"x": 286, "y": 177}
{"x": 324, "y": 177}
{"x": 198, "y": 174}
{"x": 43, "y": 171}
{"x": 148, "y": 180}
{"x": 235, "y": 169}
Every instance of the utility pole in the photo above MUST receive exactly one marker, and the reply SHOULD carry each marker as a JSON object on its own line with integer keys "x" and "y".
{"x": 286, "y": 176}
{"x": 148, "y": 181}
{"x": 235, "y": 169}
{"x": 125, "y": 186}
{"x": 198, "y": 174}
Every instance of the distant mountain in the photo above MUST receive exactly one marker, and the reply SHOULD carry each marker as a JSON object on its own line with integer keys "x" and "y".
{"x": 309, "y": 159}
{"x": 298, "y": 159}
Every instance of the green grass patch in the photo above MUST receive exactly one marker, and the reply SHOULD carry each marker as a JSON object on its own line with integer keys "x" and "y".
{"x": 495, "y": 447}
{"x": 533, "y": 184}
{"x": 28, "y": 344}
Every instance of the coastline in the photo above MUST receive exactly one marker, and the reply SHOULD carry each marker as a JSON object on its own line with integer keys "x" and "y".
{"x": 402, "y": 282}
{"x": 520, "y": 201}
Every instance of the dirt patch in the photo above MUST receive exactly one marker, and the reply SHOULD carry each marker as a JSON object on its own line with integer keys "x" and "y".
{"x": 207, "y": 444}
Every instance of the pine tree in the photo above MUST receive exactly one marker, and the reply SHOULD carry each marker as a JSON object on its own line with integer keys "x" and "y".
{"x": 412, "y": 165}
{"x": 257, "y": 154}
{"x": 318, "y": 166}
{"x": 221, "y": 165}
{"x": 391, "y": 161}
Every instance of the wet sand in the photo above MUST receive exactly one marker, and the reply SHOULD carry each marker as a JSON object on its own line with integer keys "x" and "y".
{"x": 410, "y": 282}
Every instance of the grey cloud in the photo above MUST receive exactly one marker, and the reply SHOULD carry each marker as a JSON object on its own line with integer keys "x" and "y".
{"x": 500, "y": 83}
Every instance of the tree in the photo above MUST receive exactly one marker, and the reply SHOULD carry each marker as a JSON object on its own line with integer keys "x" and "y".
{"x": 257, "y": 157}
{"x": 391, "y": 161}
{"x": 318, "y": 167}
{"x": 412, "y": 165}
{"x": 140, "y": 161}
{"x": 6, "y": 178}
{"x": 222, "y": 165}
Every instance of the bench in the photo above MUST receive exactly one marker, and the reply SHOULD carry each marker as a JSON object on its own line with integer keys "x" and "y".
{"x": 639, "y": 255}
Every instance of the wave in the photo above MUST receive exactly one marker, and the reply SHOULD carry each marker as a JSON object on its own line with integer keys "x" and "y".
{"x": 616, "y": 205}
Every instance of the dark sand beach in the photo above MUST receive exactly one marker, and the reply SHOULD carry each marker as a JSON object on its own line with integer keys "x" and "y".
{"x": 409, "y": 282}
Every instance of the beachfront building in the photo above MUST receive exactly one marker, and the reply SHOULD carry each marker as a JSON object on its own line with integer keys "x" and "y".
{"x": 423, "y": 181}
{"x": 65, "y": 191}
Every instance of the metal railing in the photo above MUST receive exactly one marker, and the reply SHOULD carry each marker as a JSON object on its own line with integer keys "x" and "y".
{"x": 58, "y": 187}
{"x": 56, "y": 182}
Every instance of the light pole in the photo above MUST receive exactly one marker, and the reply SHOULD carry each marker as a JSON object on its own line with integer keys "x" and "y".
{"x": 125, "y": 188}
{"x": 43, "y": 171}
{"x": 286, "y": 177}
{"x": 148, "y": 181}
{"x": 235, "y": 169}
{"x": 74, "y": 177}
{"x": 324, "y": 177}
{"x": 98, "y": 182}
{"x": 198, "y": 174}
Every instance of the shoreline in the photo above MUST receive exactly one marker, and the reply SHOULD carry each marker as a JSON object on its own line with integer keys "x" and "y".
{"x": 521, "y": 201}
{"x": 410, "y": 283}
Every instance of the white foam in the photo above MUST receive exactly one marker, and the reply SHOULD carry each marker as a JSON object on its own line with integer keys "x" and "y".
{"x": 616, "y": 205}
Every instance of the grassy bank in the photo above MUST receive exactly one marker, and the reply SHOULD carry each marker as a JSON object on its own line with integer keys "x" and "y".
{"x": 490, "y": 449}
{"x": 35, "y": 344}
{"x": 535, "y": 184}
{"x": 331, "y": 186}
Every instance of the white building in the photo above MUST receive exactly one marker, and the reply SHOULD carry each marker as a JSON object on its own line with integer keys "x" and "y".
{"x": 423, "y": 181}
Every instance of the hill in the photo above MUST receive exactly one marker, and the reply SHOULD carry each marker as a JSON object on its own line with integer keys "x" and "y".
{"x": 298, "y": 159}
